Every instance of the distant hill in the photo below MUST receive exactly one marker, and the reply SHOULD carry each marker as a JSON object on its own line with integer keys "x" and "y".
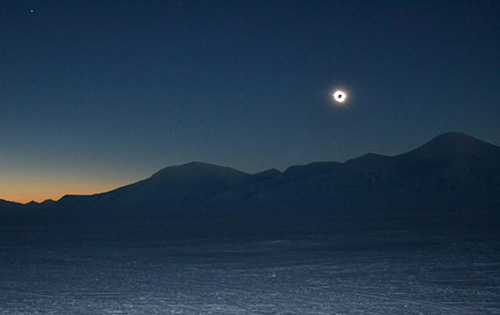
{"x": 451, "y": 173}
{"x": 170, "y": 188}
{"x": 9, "y": 206}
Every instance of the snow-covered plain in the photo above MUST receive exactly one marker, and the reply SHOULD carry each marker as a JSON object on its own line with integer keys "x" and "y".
{"x": 398, "y": 272}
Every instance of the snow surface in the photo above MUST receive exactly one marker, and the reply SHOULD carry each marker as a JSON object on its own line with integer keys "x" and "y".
{"x": 395, "y": 272}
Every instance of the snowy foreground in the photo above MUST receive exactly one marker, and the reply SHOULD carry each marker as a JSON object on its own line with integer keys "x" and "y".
{"x": 346, "y": 273}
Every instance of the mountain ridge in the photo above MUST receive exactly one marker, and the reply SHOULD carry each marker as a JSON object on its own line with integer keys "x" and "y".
{"x": 451, "y": 170}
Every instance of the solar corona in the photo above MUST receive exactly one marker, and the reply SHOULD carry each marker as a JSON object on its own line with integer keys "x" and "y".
{"x": 339, "y": 96}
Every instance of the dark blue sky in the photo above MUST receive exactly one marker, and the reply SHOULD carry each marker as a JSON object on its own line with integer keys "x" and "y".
{"x": 96, "y": 94}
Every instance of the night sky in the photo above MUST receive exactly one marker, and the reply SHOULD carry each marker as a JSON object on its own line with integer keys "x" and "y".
{"x": 98, "y": 94}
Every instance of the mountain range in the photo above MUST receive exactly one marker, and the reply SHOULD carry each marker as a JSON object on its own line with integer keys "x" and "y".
{"x": 452, "y": 173}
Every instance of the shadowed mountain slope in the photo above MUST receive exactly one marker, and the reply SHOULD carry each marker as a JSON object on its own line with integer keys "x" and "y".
{"x": 172, "y": 188}
{"x": 452, "y": 171}
{"x": 9, "y": 206}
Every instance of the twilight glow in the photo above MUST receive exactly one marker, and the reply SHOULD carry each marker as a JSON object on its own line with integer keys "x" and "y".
{"x": 98, "y": 94}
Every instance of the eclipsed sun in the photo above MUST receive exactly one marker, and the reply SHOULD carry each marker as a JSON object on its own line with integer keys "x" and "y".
{"x": 339, "y": 96}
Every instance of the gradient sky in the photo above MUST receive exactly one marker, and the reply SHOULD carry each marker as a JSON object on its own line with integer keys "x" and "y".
{"x": 98, "y": 94}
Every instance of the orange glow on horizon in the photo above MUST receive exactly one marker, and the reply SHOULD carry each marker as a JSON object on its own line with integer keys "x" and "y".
{"x": 26, "y": 191}
{"x": 40, "y": 196}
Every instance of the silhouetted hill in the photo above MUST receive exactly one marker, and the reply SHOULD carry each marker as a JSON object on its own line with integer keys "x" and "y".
{"x": 268, "y": 174}
{"x": 301, "y": 172}
{"x": 452, "y": 173}
{"x": 9, "y": 206}
{"x": 33, "y": 205}
{"x": 174, "y": 187}
{"x": 454, "y": 145}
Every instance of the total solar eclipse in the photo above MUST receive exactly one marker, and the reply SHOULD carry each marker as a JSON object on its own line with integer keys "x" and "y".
{"x": 339, "y": 96}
